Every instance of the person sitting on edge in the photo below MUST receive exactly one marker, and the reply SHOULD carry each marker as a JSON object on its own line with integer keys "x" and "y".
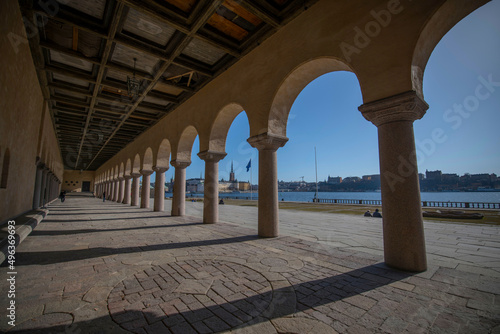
{"x": 368, "y": 214}
{"x": 221, "y": 201}
{"x": 377, "y": 214}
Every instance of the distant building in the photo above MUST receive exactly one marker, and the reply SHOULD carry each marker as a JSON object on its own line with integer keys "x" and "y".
{"x": 334, "y": 180}
{"x": 196, "y": 185}
{"x": 436, "y": 175}
{"x": 244, "y": 186}
{"x": 352, "y": 179}
{"x": 374, "y": 177}
{"x": 450, "y": 178}
{"x": 231, "y": 174}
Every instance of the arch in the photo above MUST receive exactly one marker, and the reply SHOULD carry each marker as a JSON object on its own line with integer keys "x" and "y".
{"x": 445, "y": 18}
{"x": 128, "y": 167}
{"x": 221, "y": 125}
{"x": 185, "y": 144}
{"x": 293, "y": 84}
{"x": 115, "y": 175}
{"x": 163, "y": 154}
{"x": 136, "y": 166}
{"x": 147, "y": 161}
{"x": 5, "y": 169}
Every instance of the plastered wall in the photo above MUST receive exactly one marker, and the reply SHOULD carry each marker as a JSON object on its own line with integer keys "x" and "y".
{"x": 26, "y": 129}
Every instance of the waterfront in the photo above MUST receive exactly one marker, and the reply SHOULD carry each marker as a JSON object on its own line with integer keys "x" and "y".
{"x": 483, "y": 197}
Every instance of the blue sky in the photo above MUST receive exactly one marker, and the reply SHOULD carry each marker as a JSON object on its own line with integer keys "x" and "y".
{"x": 325, "y": 115}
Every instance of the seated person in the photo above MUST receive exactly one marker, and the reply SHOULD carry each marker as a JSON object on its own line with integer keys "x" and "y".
{"x": 377, "y": 214}
{"x": 368, "y": 213}
{"x": 221, "y": 201}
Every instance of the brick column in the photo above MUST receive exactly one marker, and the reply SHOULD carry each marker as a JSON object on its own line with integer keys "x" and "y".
{"x": 135, "y": 189}
{"x": 159, "y": 188}
{"x": 404, "y": 242}
{"x": 268, "y": 144}
{"x": 146, "y": 180}
{"x": 211, "y": 189}
{"x": 126, "y": 194}
{"x": 179, "y": 196}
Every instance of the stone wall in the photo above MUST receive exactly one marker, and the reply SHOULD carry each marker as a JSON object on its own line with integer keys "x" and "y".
{"x": 26, "y": 130}
{"x": 73, "y": 180}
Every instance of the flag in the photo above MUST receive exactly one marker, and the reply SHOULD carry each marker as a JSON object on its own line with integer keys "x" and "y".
{"x": 249, "y": 165}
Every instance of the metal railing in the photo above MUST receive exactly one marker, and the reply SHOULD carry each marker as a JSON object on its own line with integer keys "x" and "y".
{"x": 431, "y": 204}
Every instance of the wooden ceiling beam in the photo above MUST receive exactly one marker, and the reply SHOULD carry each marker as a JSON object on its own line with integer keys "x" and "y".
{"x": 199, "y": 22}
{"x": 261, "y": 13}
{"x": 72, "y": 74}
{"x": 113, "y": 29}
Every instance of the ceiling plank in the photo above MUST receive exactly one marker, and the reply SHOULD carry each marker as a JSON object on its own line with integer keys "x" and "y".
{"x": 117, "y": 17}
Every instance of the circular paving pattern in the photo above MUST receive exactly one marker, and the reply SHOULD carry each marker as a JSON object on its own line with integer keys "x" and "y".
{"x": 205, "y": 296}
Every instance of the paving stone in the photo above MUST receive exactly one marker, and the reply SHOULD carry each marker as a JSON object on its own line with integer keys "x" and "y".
{"x": 341, "y": 283}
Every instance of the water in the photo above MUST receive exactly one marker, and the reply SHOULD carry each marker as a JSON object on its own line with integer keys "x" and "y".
{"x": 483, "y": 197}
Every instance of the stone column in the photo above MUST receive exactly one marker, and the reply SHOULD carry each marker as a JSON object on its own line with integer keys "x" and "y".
{"x": 111, "y": 189}
{"x": 45, "y": 173}
{"x": 48, "y": 184}
{"x": 159, "y": 188}
{"x": 121, "y": 184}
{"x": 135, "y": 189}
{"x": 179, "y": 196}
{"x": 126, "y": 194}
{"x": 268, "y": 144}
{"x": 404, "y": 242}
{"x": 211, "y": 189}
{"x": 38, "y": 185}
{"x": 146, "y": 180}
{"x": 115, "y": 189}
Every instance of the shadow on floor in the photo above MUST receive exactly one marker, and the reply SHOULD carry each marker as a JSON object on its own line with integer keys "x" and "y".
{"x": 243, "y": 312}
{"x": 89, "y": 230}
{"x": 41, "y": 258}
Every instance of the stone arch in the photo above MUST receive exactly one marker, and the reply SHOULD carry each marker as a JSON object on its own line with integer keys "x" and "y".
{"x": 185, "y": 144}
{"x": 121, "y": 171}
{"x": 136, "y": 166}
{"x": 442, "y": 21}
{"x": 5, "y": 169}
{"x": 128, "y": 167}
{"x": 293, "y": 84}
{"x": 115, "y": 175}
{"x": 163, "y": 154}
{"x": 221, "y": 125}
{"x": 147, "y": 161}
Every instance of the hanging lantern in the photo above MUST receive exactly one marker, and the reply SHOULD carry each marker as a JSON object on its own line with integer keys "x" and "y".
{"x": 133, "y": 84}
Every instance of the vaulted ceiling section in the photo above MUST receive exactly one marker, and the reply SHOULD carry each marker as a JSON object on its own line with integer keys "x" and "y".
{"x": 84, "y": 51}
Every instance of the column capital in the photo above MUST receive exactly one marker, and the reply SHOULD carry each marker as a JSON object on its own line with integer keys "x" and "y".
{"x": 127, "y": 177}
{"x": 160, "y": 169}
{"x": 212, "y": 156}
{"x": 406, "y": 106}
{"x": 120, "y": 178}
{"x": 267, "y": 141}
{"x": 146, "y": 172}
{"x": 180, "y": 164}
{"x": 134, "y": 174}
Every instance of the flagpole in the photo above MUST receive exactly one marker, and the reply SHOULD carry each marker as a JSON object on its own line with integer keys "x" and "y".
{"x": 251, "y": 181}
{"x": 316, "y": 167}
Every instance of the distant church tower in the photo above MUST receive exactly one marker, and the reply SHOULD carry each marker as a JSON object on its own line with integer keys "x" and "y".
{"x": 231, "y": 175}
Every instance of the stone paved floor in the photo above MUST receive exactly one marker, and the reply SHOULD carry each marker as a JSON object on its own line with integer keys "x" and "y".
{"x": 94, "y": 267}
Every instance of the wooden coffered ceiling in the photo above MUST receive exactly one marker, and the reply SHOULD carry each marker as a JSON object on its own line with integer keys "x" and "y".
{"x": 84, "y": 50}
